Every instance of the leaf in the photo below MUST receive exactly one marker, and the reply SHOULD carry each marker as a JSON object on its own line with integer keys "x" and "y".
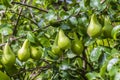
{"x": 65, "y": 26}
{"x": 93, "y": 76}
{"x": 89, "y": 42}
{"x": 44, "y": 41}
{"x": 6, "y": 3}
{"x": 111, "y": 63}
{"x": 4, "y": 76}
{"x": 51, "y": 16}
{"x": 115, "y": 32}
{"x": 6, "y": 31}
{"x": 31, "y": 37}
{"x": 113, "y": 71}
{"x": 70, "y": 54}
{"x": 95, "y": 54}
{"x": 97, "y": 5}
{"x": 73, "y": 21}
{"x": 117, "y": 76}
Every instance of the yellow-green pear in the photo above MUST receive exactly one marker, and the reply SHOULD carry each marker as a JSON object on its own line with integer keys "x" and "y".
{"x": 107, "y": 28}
{"x": 55, "y": 48}
{"x": 8, "y": 57}
{"x": 4, "y": 76}
{"x": 63, "y": 41}
{"x": 24, "y": 52}
{"x": 94, "y": 28}
{"x": 36, "y": 53}
{"x": 77, "y": 45}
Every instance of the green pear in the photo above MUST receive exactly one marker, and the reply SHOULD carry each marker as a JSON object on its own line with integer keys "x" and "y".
{"x": 107, "y": 28}
{"x": 63, "y": 41}
{"x": 94, "y": 28}
{"x": 4, "y": 76}
{"x": 55, "y": 48}
{"x": 24, "y": 52}
{"x": 77, "y": 45}
{"x": 36, "y": 53}
{"x": 8, "y": 57}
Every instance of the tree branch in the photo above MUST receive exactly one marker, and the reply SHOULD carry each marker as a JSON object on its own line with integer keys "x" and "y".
{"x": 15, "y": 28}
{"x": 39, "y": 68}
{"x": 26, "y": 18}
{"x": 30, "y": 6}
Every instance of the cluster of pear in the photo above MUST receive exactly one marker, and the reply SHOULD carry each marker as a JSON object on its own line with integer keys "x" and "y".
{"x": 24, "y": 53}
{"x": 95, "y": 28}
{"x": 62, "y": 42}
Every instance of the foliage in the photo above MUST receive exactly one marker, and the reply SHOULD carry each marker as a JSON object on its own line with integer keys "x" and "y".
{"x": 39, "y": 21}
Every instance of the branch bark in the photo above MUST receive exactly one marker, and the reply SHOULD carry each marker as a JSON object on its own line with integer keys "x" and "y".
{"x": 23, "y": 4}
{"x": 15, "y": 28}
{"x": 26, "y": 18}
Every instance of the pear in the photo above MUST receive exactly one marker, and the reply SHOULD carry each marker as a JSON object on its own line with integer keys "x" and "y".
{"x": 8, "y": 57}
{"x": 24, "y": 52}
{"x": 4, "y": 76}
{"x": 77, "y": 45}
{"x": 107, "y": 28}
{"x": 55, "y": 48}
{"x": 63, "y": 41}
{"x": 36, "y": 53}
{"x": 94, "y": 28}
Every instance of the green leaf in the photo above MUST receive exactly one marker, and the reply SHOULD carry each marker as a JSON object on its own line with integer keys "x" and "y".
{"x": 73, "y": 21}
{"x": 6, "y": 31}
{"x": 4, "y": 76}
{"x": 31, "y": 37}
{"x": 113, "y": 71}
{"x": 65, "y": 26}
{"x": 117, "y": 76}
{"x": 89, "y": 42}
{"x": 93, "y": 76}
{"x": 44, "y": 41}
{"x": 111, "y": 63}
{"x": 95, "y": 54}
{"x": 115, "y": 32}
{"x": 6, "y": 3}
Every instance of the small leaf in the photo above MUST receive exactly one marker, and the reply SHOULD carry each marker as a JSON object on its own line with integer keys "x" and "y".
{"x": 117, "y": 76}
{"x": 6, "y": 31}
{"x": 73, "y": 21}
{"x": 115, "y": 32}
{"x": 111, "y": 63}
{"x": 31, "y": 37}
{"x": 6, "y": 3}
{"x": 44, "y": 41}
{"x": 93, "y": 76}
{"x": 95, "y": 54}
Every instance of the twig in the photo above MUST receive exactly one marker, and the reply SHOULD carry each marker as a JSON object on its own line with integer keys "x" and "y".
{"x": 65, "y": 5}
{"x": 31, "y": 14}
{"x": 33, "y": 69}
{"x": 30, "y": 6}
{"x": 15, "y": 28}
{"x": 26, "y": 18}
{"x": 39, "y": 71}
